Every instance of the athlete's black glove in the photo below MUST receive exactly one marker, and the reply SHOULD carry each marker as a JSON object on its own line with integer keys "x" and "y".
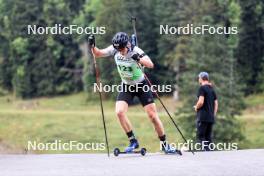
{"x": 91, "y": 40}
{"x": 136, "y": 57}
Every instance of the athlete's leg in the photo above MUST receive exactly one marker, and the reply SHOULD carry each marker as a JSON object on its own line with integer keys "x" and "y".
{"x": 153, "y": 116}
{"x": 201, "y": 130}
{"x": 208, "y": 133}
{"x": 121, "y": 110}
{"x": 146, "y": 99}
{"x": 123, "y": 99}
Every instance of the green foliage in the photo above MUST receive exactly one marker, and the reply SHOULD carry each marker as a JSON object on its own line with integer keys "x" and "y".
{"x": 229, "y": 130}
{"x": 70, "y": 117}
{"x": 250, "y": 50}
{"x": 48, "y": 62}
{"x": 48, "y": 59}
{"x": 213, "y": 54}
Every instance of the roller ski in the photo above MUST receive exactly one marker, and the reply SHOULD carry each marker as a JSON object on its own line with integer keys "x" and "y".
{"x": 131, "y": 149}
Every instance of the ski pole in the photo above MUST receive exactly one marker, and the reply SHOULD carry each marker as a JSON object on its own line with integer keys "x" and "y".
{"x": 133, "y": 19}
{"x": 98, "y": 82}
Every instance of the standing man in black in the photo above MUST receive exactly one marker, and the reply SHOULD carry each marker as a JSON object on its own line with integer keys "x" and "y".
{"x": 206, "y": 108}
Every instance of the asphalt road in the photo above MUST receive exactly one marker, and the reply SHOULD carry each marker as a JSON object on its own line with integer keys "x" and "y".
{"x": 228, "y": 163}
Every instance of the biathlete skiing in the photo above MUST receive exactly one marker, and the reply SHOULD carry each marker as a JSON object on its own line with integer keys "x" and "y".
{"x": 127, "y": 57}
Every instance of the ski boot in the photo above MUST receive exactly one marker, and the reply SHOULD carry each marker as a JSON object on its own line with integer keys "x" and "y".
{"x": 132, "y": 146}
{"x": 169, "y": 150}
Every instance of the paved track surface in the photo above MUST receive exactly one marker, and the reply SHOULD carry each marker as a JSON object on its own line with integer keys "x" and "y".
{"x": 228, "y": 163}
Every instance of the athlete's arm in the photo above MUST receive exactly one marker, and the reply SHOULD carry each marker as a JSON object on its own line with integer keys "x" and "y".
{"x": 142, "y": 58}
{"x": 97, "y": 52}
{"x": 100, "y": 52}
{"x": 215, "y": 103}
{"x": 146, "y": 61}
{"x": 199, "y": 103}
{"x": 215, "y": 107}
{"x": 103, "y": 52}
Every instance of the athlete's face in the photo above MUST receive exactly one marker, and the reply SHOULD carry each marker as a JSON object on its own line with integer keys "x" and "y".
{"x": 200, "y": 80}
{"x": 123, "y": 51}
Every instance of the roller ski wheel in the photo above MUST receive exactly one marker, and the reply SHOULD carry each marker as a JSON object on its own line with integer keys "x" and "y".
{"x": 142, "y": 151}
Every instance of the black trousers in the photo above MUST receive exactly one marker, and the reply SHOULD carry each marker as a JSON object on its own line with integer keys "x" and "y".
{"x": 204, "y": 133}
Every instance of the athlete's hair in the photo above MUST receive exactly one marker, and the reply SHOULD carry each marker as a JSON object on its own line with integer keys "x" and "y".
{"x": 204, "y": 76}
